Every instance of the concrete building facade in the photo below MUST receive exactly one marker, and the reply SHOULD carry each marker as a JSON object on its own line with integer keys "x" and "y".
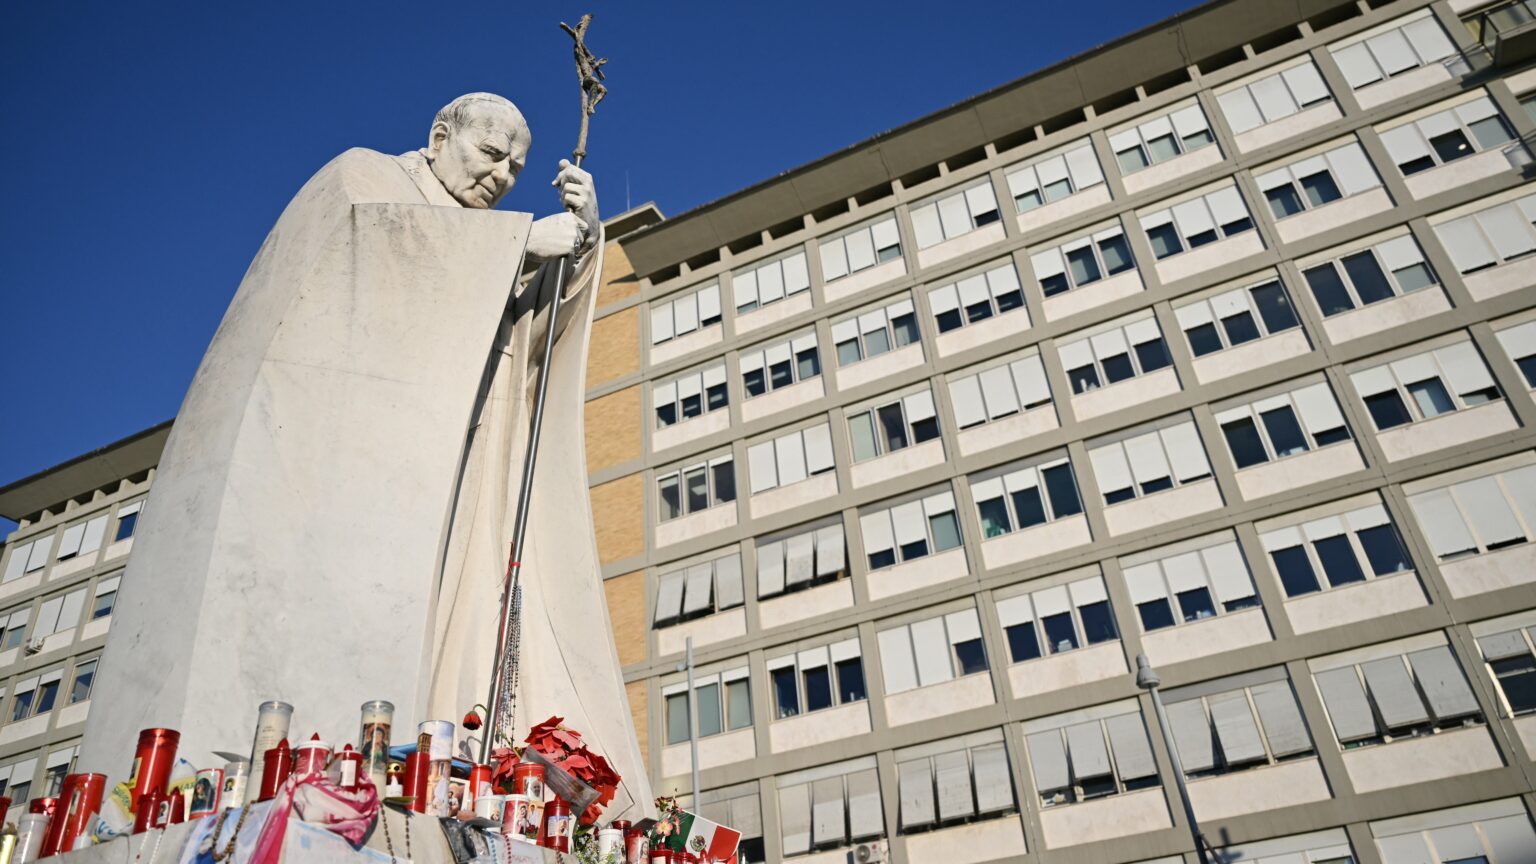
{"x": 1217, "y": 345}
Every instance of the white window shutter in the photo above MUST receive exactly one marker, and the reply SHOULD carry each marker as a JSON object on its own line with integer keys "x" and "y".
{"x": 998, "y": 392}
{"x": 1465, "y": 243}
{"x": 861, "y": 250}
{"x": 1022, "y": 181}
{"x": 866, "y": 818}
{"x": 1084, "y": 167}
{"x": 1319, "y": 411}
{"x": 963, "y": 626}
{"x": 830, "y": 552}
{"x": 1347, "y": 707}
{"x": 685, "y": 314}
{"x": 885, "y": 234}
{"x": 1227, "y": 205}
{"x": 909, "y": 523}
{"x": 69, "y": 613}
{"x": 980, "y": 199}
{"x": 1029, "y": 378}
{"x": 1191, "y": 735}
{"x": 1520, "y": 340}
{"x": 1465, "y": 367}
{"x": 925, "y": 225}
{"x": 1110, "y": 468}
{"x": 1393, "y": 692}
{"x": 48, "y": 618}
{"x": 798, "y": 554}
{"x": 919, "y": 406}
{"x": 661, "y": 323}
{"x": 1241, "y": 111}
{"x": 1306, "y": 83}
{"x": 1148, "y": 462}
{"x": 1352, "y": 169}
{"x": 795, "y": 816}
{"x": 1507, "y": 229}
{"x": 1052, "y": 170}
{"x": 1193, "y": 217}
{"x": 1358, "y": 66}
{"x": 953, "y": 777}
{"x": 818, "y": 449}
{"x": 915, "y": 782}
{"x": 789, "y": 452}
{"x": 876, "y": 528}
{"x": 932, "y": 651}
{"x": 1014, "y": 610}
{"x": 763, "y": 467}
{"x": 1489, "y": 511}
{"x": 1400, "y": 252}
{"x": 39, "y": 557}
{"x": 1428, "y": 39}
{"x": 965, "y": 393}
{"x": 943, "y": 299}
{"x": 1444, "y": 686}
{"x": 1145, "y": 583}
{"x": 669, "y": 595}
{"x": 796, "y": 277}
{"x": 770, "y": 283}
{"x": 994, "y": 783}
{"x": 698, "y": 591}
{"x": 1189, "y": 120}
{"x": 1437, "y": 515}
{"x": 834, "y": 260}
{"x": 1090, "y": 758}
{"x": 1133, "y": 752}
{"x": 1392, "y": 52}
{"x": 898, "y": 667}
{"x": 1047, "y": 264}
{"x": 953, "y": 216}
{"x": 69, "y": 544}
{"x": 1048, "y": 761}
{"x": 1404, "y": 144}
{"x": 1281, "y": 718}
{"x": 1228, "y": 572}
{"x": 18, "y": 563}
{"x": 1193, "y": 315}
{"x": 1185, "y": 451}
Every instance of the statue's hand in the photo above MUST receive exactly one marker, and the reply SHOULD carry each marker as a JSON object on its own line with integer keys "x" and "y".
{"x": 553, "y": 236}
{"x": 577, "y": 194}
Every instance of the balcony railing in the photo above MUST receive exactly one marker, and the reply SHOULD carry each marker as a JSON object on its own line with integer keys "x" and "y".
{"x": 1508, "y": 31}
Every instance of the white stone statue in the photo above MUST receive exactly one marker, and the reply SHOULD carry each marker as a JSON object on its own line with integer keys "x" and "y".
{"x": 331, "y": 518}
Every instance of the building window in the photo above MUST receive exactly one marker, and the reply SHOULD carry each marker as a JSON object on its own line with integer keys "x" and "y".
{"x": 1070, "y": 617}
{"x": 1393, "y": 52}
{"x": 1508, "y": 656}
{"x": 696, "y": 488}
{"x": 1455, "y": 133}
{"x": 1413, "y": 694}
{"x": 1236, "y": 317}
{"x": 15, "y": 629}
{"x": 874, "y": 333}
{"x": 128, "y": 520}
{"x": 860, "y": 249}
{"x": 1026, "y": 497}
{"x": 1273, "y": 97}
{"x": 1424, "y": 386}
{"x": 85, "y": 678}
{"x": 1478, "y": 516}
{"x": 790, "y": 458}
{"x": 817, "y": 678}
{"x": 1346, "y": 549}
{"x": 831, "y": 806}
{"x": 801, "y": 560}
{"x": 1150, "y": 462}
{"x": 954, "y": 214}
{"x": 724, "y": 702}
{"x": 1519, "y": 343}
{"x": 685, "y": 314}
{"x": 28, "y": 557}
{"x": 1077, "y": 758}
{"x": 1115, "y": 355}
{"x": 1082, "y": 261}
{"x": 932, "y": 651}
{"x": 1196, "y": 222}
{"x": 978, "y": 297}
{"x": 780, "y": 365}
{"x": 739, "y": 808}
{"x": 1283, "y": 425}
{"x": 36, "y": 695}
{"x": 1493, "y": 831}
{"x": 1164, "y": 137}
{"x": 1390, "y": 269}
{"x": 1051, "y": 178}
{"x": 692, "y": 395}
{"x": 698, "y": 590}
{"x": 85, "y": 538}
{"x": 906, "y": 532}
{"x": 955, "y": 781}
{"x": 1219, "y": 728}
{"x": 766, "y": 284}
{"x": 896, "y": 425}
{"x": 1490, "y": 237}
{"x": 1316, "y": 181}
{"x": 1180, "y": 588}
{"x": 999, "y": 392}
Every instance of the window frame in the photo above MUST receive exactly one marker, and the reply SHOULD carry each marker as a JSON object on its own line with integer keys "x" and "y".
{"x": 1333, "y": 164}
{"x": 905, "y": 406}
{"x": 1419, "y": 53}
{"x": 798, "y": 276}
{"x": 721, "y": 681}
{"x": 1161, "y": 434}
{"x": 680, "y": 475}
{"x": 1255, "y": 417}
{"x": 756, "y": 360}
{"x": 889, "y": 315}
{"x": 1354, "y": 521}
{"x": 1205, "y": 552}
{"x": 1023, "y": 611}
{"x": 1190, "y": 317}
{"x": 675, "y": 386}
{"x": 1471, "y": 526}
{"x": 1076, "y": 792}
{"x": 1191, "y": 114}
{"x": 930, "y": 213}
{"x": 942, "y": 503}
{"x": 1053, "y": 262}
{"x": 1426, "y": 146}
{"x": 1378, "y": 251}
{"x": 1100, "y": 372}
{"x": 700, "y": 320}
{"x": 1029, "y": 172}
{"x": 999, "y": 281}
{"x": 1048, "y": 505}
{"x": 831, "y": 656}
{"x": 1392, "y": 370}
{"x": 1165, "y": 216}
{"x": 948, "y": 620}
{"x": 1289, "y": 87}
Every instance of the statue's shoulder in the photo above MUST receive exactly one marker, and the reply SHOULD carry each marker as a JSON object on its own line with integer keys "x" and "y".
{"x": 361, "y": 175}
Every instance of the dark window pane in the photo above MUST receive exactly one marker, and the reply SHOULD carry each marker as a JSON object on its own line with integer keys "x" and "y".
{"x": 883, "y": 558}
{"x": 1284, "y": 432}
{"x": 1274, "y": 307}
{"x": 925, "y": 430}
{"x": 1118, "y": 368}
{"x": 1413, "y": 277}
{"x": 848, "y": 352}
{"x": 978, "y": 311}
{"x": 1244, "y": 442}
{"x": 725, "y": 482}
{"x": 1008, "y": 301}
{"x": 1330, "y": 436}
{"x": 809, "y": 363}
{"x": 850, "y": 680}
{"x": 1152, "y": 355}
{"x": 781, "y": 374}
{"x": 717, "y": 397}
{"x": 1060, "y": 634}
{"x": 1131, "y": 160}
{"x": 1115, "y": 496}
{"x": 1050, "y": 286}
{"x": 1028, "y": 507}
{"x": 1155, "y": 614}
{"x": 1237, "y": 227}
{"x": 818, "y": 688}
{"x": 1196, "y": 140}
{"x": 1451, "y": 145}
{"x": 1083, "y": 266}
{"x": 1328, "y": 290}
{"x": 1528, "y": 369}
{"x": 1196, "y": 604}
{"x": 1162, "y": 148}
{"x": 693, "y": 406}
{"x": 677, "y": 718}
{"x": 1023, "y": 643}
{"x": 945, "y": 528}
{"x": 1240, "y": 328}
{"x": 994, "y": 517}
{"x": 972, "y": 657}
{"x": 1339, "y": 562}
{"x": 786, "y": 701}
{"x": 893, "y": 427}
{"x": 1083, "y": 378}
{"x": 986, "y": 218}
{"x": 1058, "y": 190}
{"x": 125, "y": 526}
{"x": 1320, "y": 188}
{"x": 1489, "y": 132}
{"x": 889, "y": 253}
{"x": 1202, "y": 238}
{"x": 905, "y": 329}
{"x": 947, "y": 321}
{"x": 1431, "y": 397}
{"x": 754, "y": 382}
{"x": 666, "y": 414}
{"x": 710, "y": 721}
{"x": 1387, "y": 409}
{"x": 1414, "y": 166}
{"x": 46, "y": 695}
{"x": 671, "y": 503}
{"x": 1383, "y": 550}
{"x": 1028, "y": 201}
{"x": 1117, "y": 255}
{"x": 1203, "y": 339}
{"x": 1295, "y": 571}
{"x": 1060, "y": 485}
{"x": 1158, "y": 484}
{"x": 1517, "y": 678}
{"x": 1283, "y": 201}
{"x": 1370, "y": 283}
{"x": 1098, "y": 624}
{"x": 1165, "y": 241}
{"x": 915, "y": 549}
{"x": 697, "y": 485}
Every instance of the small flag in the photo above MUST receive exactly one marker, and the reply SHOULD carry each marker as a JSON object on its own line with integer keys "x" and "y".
{"x": 703, "y": 838}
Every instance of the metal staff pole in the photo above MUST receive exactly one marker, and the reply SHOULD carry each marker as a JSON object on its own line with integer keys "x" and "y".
{"x": 504, "y": 668}
{"x": 1147, "y": 679}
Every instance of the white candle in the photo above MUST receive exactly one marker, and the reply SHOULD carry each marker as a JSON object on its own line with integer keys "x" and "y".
{"x": 272, "y": 722}
{"x": 373, "y": 741}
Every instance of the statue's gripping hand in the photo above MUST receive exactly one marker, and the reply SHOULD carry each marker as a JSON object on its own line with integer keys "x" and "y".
{"x": 573, "y": 230}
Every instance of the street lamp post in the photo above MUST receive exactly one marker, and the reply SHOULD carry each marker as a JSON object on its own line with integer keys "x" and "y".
{"x": 1146, "y": 679}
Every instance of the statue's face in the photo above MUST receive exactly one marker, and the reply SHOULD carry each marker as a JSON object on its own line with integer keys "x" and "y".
{"x": 479, "y": 162}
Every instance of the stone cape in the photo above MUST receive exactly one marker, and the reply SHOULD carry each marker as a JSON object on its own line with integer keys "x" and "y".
{"x": 330, "y": 520}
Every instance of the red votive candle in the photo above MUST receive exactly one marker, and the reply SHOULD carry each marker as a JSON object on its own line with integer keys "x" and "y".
{"x": 277, "y": 764}
{"x": 152, "y": 763}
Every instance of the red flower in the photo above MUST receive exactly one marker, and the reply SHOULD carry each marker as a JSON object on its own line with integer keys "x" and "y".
{"x": 472, "y": 720}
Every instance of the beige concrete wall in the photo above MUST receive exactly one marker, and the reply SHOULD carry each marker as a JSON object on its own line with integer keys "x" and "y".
{"x": 626, "y": 609}
{"x": 615, "y": 347}
{"x": 613, "y": 430}
{"x": 618, "y": 509}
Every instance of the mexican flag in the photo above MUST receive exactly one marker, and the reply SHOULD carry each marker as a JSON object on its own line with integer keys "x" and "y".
{"x": 705, "y": 839}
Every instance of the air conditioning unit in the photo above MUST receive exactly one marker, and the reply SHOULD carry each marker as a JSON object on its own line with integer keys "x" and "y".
{"x": 34, "y": 646}
{"x": 865, "y": 853}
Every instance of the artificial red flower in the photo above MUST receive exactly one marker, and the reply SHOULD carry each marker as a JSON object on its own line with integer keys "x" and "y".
{"x": 472, "y": 720}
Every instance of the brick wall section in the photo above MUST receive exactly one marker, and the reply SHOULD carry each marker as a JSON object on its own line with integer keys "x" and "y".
{"x": 626, "y": 609}
{"x": 639, "y": 710}
{"x": 618, "y": 508}
{"x": 615, "y": 347}
{"x": 619, "y": 280}
{"x": 613, "y": 429}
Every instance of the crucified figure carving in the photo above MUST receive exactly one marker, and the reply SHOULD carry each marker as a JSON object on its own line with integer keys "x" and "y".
{"x": 589, "y": 68}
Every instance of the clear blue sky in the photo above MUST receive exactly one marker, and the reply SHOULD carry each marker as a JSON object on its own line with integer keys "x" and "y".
{"x": 151, "y": 145}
